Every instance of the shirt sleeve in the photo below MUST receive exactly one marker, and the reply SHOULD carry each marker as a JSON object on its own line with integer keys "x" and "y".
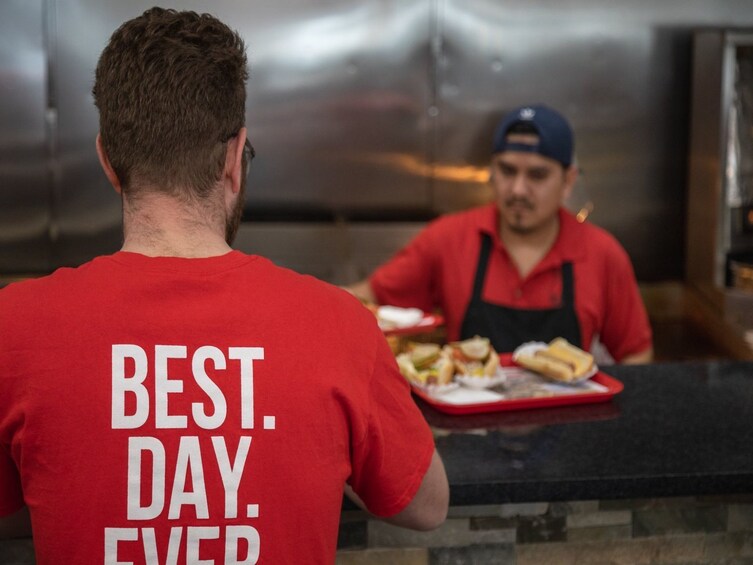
{"x": 408, "y": 279}
{"x": 390, "y": 460}
{"x": 11, "y": 496}
{"x": 626, "y": 328}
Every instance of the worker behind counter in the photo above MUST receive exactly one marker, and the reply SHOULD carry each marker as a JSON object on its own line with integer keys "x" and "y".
{"x": 179, "y": 401}
{"x": 522, "y": 268}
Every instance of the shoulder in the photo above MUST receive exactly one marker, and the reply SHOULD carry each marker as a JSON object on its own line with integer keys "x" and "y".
{"x": 599, "y": 256}
{"x": 593, "y": 241}
{"x": 476, "y": 217}
{"x": 34, "y": 292}
{"x": 312, "y": 296}
{"x": 462, "y": 224}
{"x": 324, "y": 316}
{"x": 266, "y": 270}
{"x": 35, "y": 307}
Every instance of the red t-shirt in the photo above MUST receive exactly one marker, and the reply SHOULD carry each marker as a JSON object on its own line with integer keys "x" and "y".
{"x": 436, "y": 270}
{"x": 175, "y": 410}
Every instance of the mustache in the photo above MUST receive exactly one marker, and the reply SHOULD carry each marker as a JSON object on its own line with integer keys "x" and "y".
{"x": 518, "y": 201}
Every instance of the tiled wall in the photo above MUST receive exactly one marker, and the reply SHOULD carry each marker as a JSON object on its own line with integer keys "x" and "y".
{"x": 678, "y": 531}
{"x": 682, "y": 531}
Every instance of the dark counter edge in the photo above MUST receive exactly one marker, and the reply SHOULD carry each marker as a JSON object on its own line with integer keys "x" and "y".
{"x": 600, "y": 489}
{"x": 595, "y": 489}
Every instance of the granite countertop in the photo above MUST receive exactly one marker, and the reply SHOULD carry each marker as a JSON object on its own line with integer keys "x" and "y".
{"x": 677, "y": 429}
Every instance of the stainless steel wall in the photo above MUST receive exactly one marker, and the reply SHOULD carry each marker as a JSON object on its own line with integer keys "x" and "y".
{"x": 369, "y": 117}
{"x": 24, "y": 177}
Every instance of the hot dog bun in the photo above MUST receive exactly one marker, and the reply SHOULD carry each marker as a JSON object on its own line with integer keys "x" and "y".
{"x": 582, "y": 361}
{"x": 547, "y": 366}
{"x": 560, "y": 360}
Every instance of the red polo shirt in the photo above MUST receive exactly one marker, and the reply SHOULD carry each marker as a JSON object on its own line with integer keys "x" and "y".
{"x": 437, "y": 268}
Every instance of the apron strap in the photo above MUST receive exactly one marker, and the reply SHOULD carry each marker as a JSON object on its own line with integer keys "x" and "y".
{"x": 483, "y": 261}
{"x": 568, "y": 288}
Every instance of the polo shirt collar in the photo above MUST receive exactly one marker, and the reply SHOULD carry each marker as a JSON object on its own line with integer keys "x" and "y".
{"x": 568, "y": 246}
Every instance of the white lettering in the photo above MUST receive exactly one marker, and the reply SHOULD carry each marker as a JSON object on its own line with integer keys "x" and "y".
{"x": 247, "y": 356}
{"x": 195, "y": 535}
{"x": 122, "y": 385}
{"x": 164, "y": 386}
{"x": 137, "y": 445}
{"x": 239, "y": 540}
{"x": 231, "y": 474}
{"x": 209, "y": 387}
{"x": 112, "y": 537}
{"x": 189, "y": 459}
{"x": 150, "y": 546}
{"x": 233, "y": 534}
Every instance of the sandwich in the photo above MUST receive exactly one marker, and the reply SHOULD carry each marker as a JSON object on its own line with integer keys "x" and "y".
{"x": 426, "y": 364}
{"x": 560, "y": 360}
{"x": 474, "y": 357}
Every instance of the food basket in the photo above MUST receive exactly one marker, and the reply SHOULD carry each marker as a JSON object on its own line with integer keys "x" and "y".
{"x": 535, "y": 392}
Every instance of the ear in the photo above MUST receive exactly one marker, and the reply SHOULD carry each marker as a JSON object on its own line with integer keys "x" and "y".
{"x": 571, "y": 175}
{"x": 234, "y": 160}
{"x": 106, "y": 167}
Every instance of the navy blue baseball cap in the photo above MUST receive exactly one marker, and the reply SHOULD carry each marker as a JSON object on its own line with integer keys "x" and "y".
{"x": 553, "y": 130}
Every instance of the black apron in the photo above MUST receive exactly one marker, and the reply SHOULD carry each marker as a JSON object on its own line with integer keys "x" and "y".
{"x": 507, "y": 327}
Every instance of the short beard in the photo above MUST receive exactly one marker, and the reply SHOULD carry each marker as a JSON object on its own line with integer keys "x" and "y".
{"x": 233, "y": 220}
{"x": 512, "y": 201}
{"x": 520, "y": 230}
{"x": 514, "y": 225}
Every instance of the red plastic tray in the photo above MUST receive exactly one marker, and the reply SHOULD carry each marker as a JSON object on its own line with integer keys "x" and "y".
{"x": 428, "y": 323}
{"x": 612, "y": 385}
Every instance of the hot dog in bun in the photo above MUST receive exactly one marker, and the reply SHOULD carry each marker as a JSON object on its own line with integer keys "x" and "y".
{"x": 560, "y": 360}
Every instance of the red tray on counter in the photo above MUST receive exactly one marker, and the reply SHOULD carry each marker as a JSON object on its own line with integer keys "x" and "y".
{"x": 611, "y": 387}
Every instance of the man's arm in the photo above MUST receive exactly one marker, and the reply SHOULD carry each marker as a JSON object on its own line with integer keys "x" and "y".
{"x": 429, "y": 506}
{"x": 16, "y": 525}
{"x": 639, "y": 358}
{"x": 626, "y": 329}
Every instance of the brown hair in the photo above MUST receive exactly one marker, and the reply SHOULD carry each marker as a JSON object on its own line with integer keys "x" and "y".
{"x": 170, "y": 89}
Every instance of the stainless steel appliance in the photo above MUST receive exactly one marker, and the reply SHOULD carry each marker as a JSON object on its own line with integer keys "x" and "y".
{"x": 720, "y": 185}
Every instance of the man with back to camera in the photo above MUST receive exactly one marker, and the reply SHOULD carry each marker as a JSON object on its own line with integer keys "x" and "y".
{"x": 523, "y": 268}
{"x": 179, "y": 401}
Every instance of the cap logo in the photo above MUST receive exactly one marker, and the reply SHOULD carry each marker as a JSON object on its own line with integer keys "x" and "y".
{"x": 553, "y": 132}
{"x": 527, "y": 113}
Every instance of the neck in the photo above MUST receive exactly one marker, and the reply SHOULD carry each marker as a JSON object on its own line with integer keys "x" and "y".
{"x": 158, "y": 225}
{"x": 528, "y": 248}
